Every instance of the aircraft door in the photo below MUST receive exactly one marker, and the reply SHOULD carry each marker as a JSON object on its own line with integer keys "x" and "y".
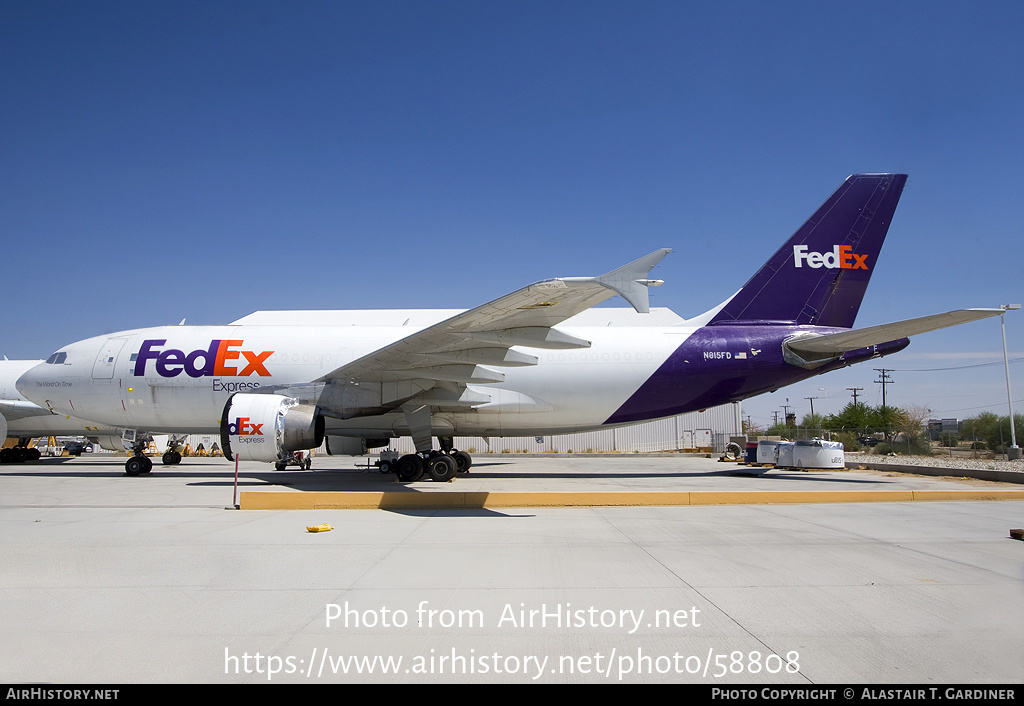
{"x": 103, "y": 368}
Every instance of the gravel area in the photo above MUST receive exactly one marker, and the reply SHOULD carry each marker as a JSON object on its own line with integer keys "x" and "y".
{"x": 938, "y": 461}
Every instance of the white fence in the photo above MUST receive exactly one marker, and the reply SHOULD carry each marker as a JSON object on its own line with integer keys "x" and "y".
{"x": 696, "y": 431}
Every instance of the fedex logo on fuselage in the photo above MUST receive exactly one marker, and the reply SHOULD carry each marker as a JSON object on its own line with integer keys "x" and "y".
{"x": 217, "y": 360}
{"x": 841, "y": 257}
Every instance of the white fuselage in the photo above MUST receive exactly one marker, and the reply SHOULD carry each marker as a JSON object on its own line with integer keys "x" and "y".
{"x": 177, "y": 379}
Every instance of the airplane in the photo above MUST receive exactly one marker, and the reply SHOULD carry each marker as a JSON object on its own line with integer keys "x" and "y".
{"x": 275, "y": 383}
{"x": 24, "y": 420}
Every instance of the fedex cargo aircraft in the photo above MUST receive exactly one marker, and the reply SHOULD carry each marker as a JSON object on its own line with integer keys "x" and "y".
{"x": 274, "y": 383}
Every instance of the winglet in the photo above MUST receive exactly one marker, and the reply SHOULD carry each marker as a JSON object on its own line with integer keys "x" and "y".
{"x": 631, "y": 282}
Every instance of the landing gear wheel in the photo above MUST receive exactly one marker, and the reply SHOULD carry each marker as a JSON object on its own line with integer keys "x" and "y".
{"x": 172, "y": 458}
{"x": 409, "y": 468}
{"x": 442, "y": 469}
{"x": 138, "y": 465}
{"x": 463, "y": 461}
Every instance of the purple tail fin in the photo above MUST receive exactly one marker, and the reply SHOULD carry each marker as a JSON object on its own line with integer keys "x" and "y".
{"x": 819, "y": 276}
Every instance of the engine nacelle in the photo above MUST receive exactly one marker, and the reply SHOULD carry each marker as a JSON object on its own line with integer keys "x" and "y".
{"x": 352, "y": 445}
{"x": 268, "y": 427}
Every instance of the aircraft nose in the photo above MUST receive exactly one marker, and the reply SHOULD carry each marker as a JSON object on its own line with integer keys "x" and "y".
{"x": 35, "y": 383}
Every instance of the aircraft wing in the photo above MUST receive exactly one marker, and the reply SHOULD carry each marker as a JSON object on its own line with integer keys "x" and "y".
{"x": 19, "y": 409}
{"x": 836, "y": 343}
{"x": 464, "y": 349}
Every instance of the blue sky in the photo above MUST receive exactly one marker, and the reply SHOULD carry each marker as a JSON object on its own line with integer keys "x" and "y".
{"x": 201, "y": 160}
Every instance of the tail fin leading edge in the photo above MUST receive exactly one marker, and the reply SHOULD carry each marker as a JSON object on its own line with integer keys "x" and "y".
{"x": 819, "y": 276}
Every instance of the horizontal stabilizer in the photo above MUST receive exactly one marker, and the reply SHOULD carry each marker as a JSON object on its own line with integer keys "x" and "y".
{"x": 836, "y": 343}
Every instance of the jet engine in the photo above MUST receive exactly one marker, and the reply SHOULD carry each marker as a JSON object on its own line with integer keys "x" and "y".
{"x": 268, "y": 427}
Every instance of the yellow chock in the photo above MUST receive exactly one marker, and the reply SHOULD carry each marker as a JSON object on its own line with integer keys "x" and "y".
{"x": 319, "y": 528}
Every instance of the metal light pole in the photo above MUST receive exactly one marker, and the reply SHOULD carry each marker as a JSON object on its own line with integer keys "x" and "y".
{"x": 1013, "y": 452}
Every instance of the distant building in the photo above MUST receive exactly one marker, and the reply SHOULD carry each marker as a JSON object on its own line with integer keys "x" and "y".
{"x": 938, "y": 427}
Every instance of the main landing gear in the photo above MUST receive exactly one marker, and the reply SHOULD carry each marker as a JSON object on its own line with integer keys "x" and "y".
{"x": 442, "y": 466}
{"x": 20, "y": 453}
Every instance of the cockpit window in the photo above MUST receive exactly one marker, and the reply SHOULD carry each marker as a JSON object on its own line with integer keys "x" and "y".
{"x": 57, "y": 358}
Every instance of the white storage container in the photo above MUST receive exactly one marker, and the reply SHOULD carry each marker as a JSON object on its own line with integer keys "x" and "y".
{"x": 818, "y": 453}
{"x": 767, "y": 451}
{"x": 785, "y": 455}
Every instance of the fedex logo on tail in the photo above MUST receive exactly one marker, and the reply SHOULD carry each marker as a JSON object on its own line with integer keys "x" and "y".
{"x": 220, "y": 359}
{"x": 841, "y": 257}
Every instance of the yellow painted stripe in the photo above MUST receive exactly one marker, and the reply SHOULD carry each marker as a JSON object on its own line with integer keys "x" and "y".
{"x": 341, "y": 500}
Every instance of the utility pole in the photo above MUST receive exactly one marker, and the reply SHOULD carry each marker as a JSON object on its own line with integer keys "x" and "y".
{"x": 1014, "y": 452}
{"x": 886, "y": 380}
{"x": 812, "y": 403}
{"x": 855, "y": 390}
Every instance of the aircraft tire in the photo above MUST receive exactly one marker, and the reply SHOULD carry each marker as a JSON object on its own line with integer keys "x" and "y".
{"x": 135, "y": 465}
{"x": 409, "y": 468}
{"x": 442, "y": 469}
{"x": 463, "y": 461}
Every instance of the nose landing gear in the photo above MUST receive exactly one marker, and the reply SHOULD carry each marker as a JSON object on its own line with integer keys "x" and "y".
{"x": 138, "y": 464}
